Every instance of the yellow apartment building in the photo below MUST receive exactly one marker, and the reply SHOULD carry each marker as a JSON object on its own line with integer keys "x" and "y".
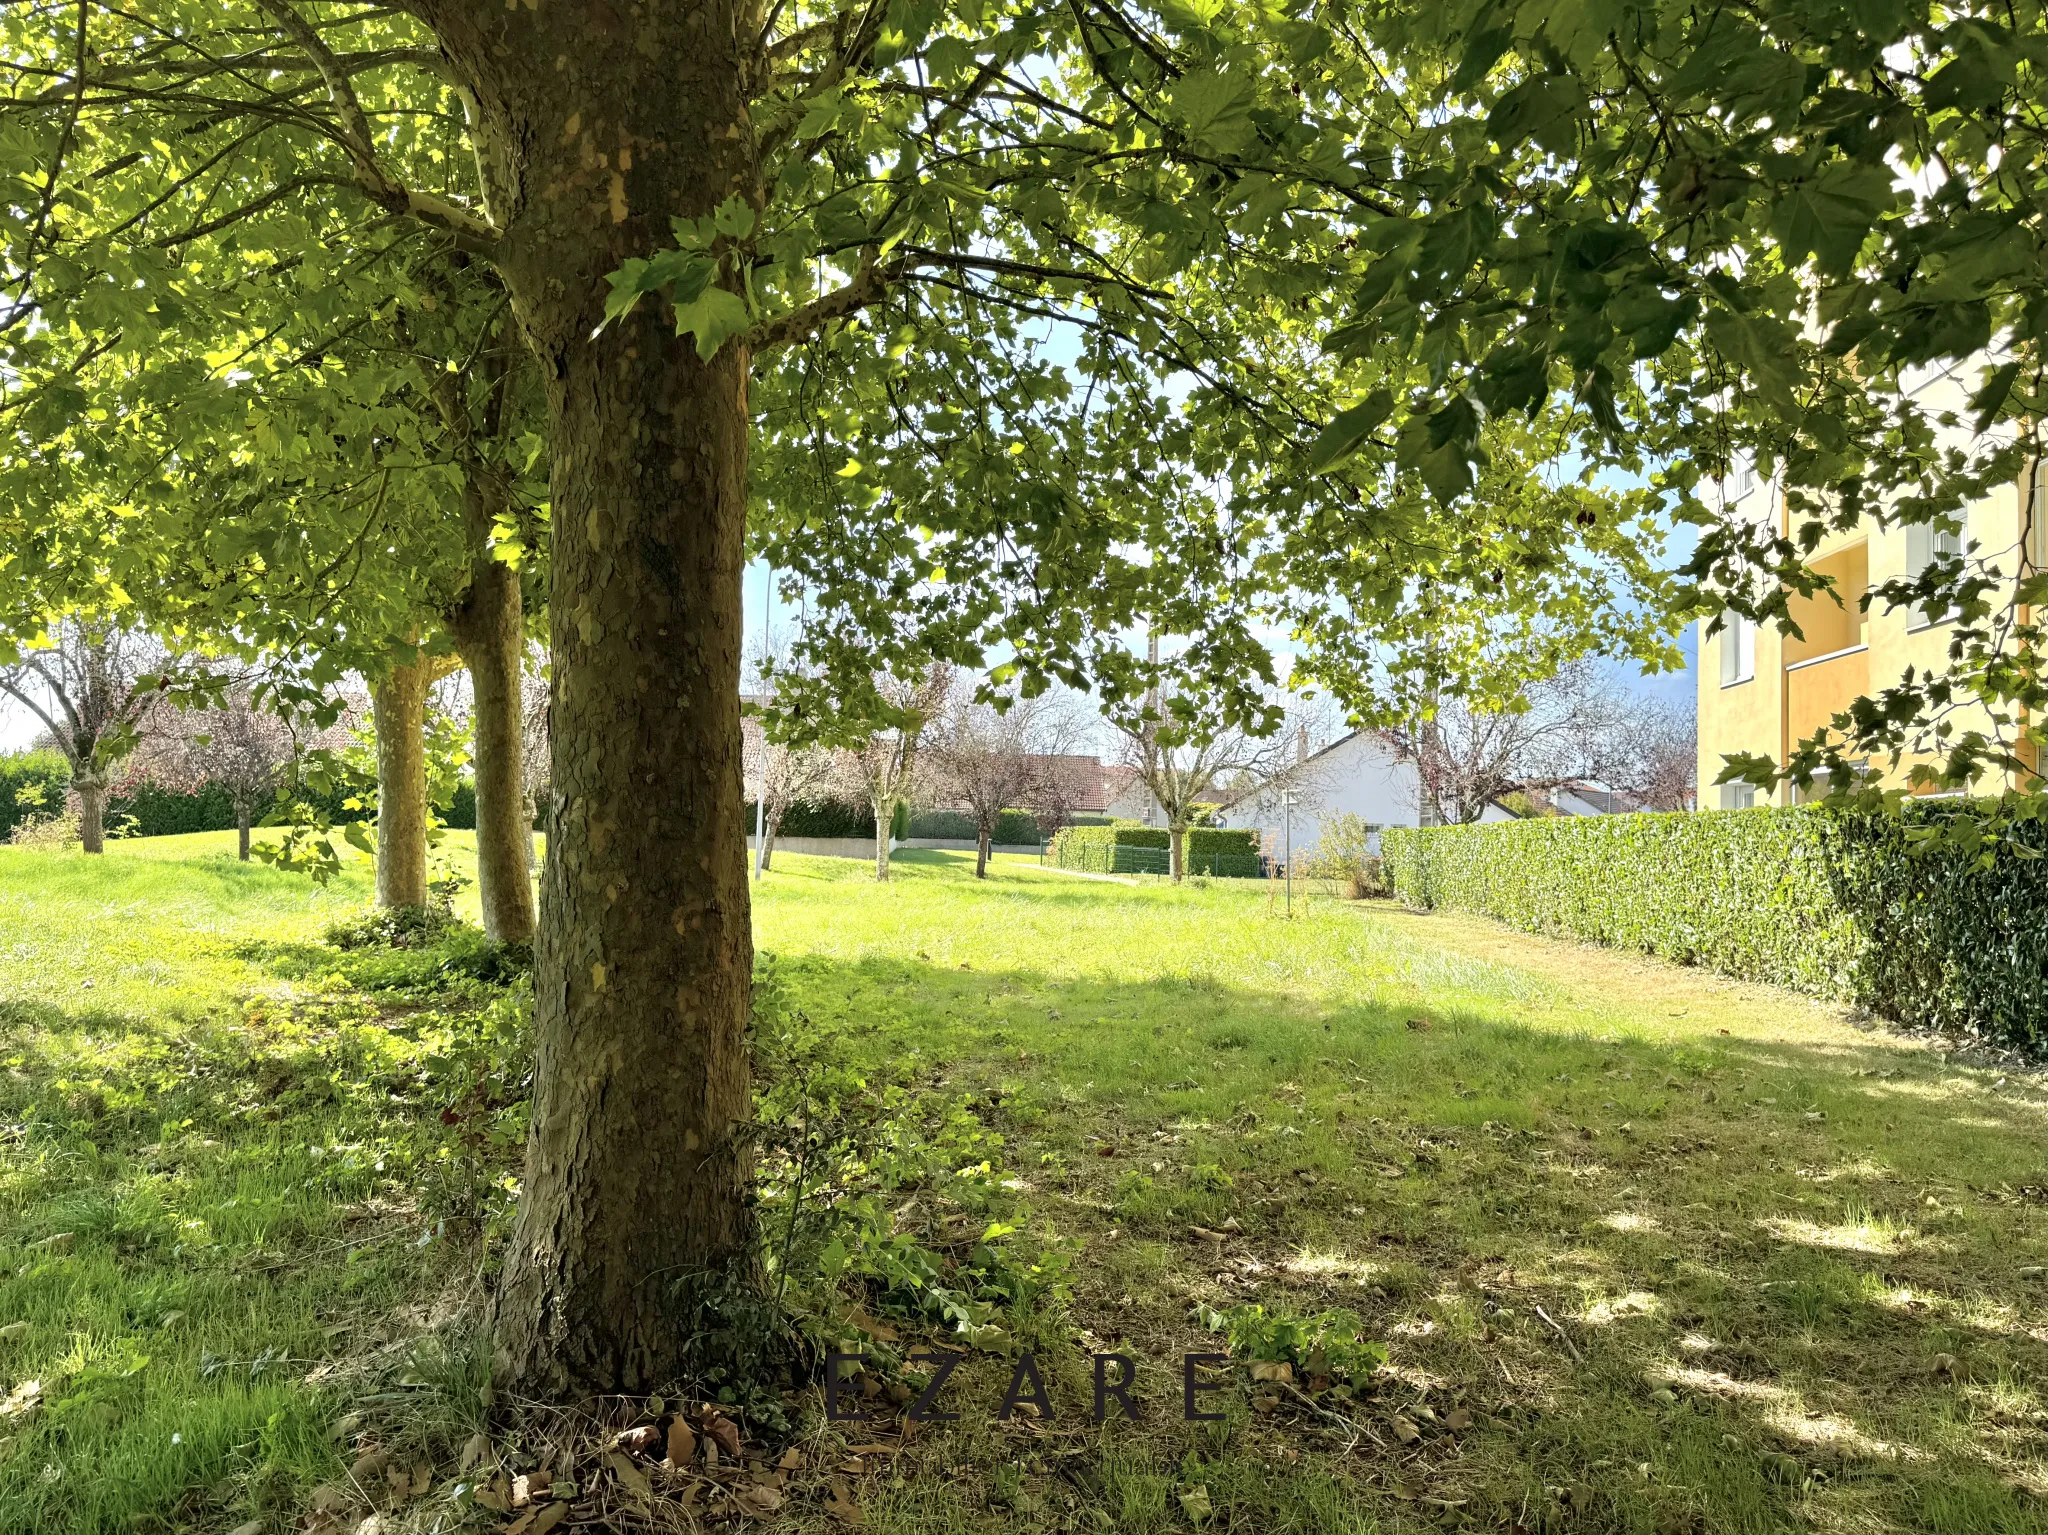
{"x": 1762, "y": 691}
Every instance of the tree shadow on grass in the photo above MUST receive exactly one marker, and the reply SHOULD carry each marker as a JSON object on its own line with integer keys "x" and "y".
{"x": 1750, "y": 1316}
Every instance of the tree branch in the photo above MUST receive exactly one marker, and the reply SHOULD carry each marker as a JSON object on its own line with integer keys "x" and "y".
{"x": 354, "y": 135}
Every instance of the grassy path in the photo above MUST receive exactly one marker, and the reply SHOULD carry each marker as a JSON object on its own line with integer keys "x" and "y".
{"x": 1650, "y": 1250}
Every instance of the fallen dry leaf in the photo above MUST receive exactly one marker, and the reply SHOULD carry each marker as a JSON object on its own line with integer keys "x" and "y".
{"x": 1265, "y": 1405}
{"x": 329, "y": 1499}
{"x": 1272, "y": 1369}
{"x": 840, "y": 1505}
{"x": 792, "y": 1459}
{"x": 496, "y": 1495}
{"x": 1405, "y": 1431}
{"x": 549, "y": 1517}
{"x": 853, "y": 1465}
{"x": 12, "y": 1331}
{"x": 369, "y": 1466}
{"x": 253, "y": 1527}
{"x": 759, "y": 1500}
{"x": 1420, "y": 1025}
{"x": 422, "y": 1478}
{"x": 1458, "y": 1418}
{"x": 881, "y": 1332}
{"x": 474, "y": 1451}
{"x": 1195, "y": 1502}
{"x": 644, "y": 1440}
{"x": 630, "y": 1476}
{"x": 874, "y": 1449}
{"x": 682, "y": 1443}
{"x": 726, "y": 1432}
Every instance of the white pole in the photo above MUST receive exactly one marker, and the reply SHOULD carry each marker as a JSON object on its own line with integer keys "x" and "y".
{"x": 761, "y": 791}
{"x": 1287, "y": 820}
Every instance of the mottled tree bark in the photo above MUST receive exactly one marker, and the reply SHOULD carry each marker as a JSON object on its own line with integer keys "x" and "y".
{"x": 981, "y": 853}
{"x": 400, "y": 703}
{"x": 1177, "y": 838}
{"x": 244, "y": 817}
{"x": 92, "y": 812}
{"x": 489, "y": 631}
{"x": 597, "y": 125}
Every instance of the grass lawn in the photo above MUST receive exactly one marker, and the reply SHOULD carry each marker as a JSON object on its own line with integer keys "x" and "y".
{"x": 1647, "y": 1249}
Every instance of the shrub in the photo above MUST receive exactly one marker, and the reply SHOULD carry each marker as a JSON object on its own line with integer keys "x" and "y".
{"x": 952, "y": 825}
{"x": 1838, "y": 906}
{"x": 1343, "y": 857}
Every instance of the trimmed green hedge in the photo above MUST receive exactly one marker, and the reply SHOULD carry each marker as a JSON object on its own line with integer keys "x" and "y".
{"x": 823, "y": 818}
{"x": 43, "y": 772}
{"x": 1014, "y": 828}
{"x": 1228, "y": 853}
{"x": 1836, "y": 906}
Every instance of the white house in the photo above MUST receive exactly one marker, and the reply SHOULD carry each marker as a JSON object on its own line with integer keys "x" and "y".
{"x": 1359, "y": 774}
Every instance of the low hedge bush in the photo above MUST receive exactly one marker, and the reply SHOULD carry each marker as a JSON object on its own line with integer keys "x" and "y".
{"x": 1837, "y": 906}
{"x": 1135, "y": 849}
{"x": 1013, "y": 828}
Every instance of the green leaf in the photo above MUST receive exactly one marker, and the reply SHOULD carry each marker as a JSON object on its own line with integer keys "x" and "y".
{"x": 1990, "y": 400}
{"x": 713, "y": 316}
{"x": 1348, "y": 432}
{"x": 1214, "y": 108}
{"x": 1831, "y": 215}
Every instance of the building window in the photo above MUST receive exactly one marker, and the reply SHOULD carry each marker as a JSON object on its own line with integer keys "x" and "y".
{"x": 1738, "y": 796}
{"x": 1738, "y": 650}
{"x": 1741, "y": 477}
{"x": 1924, "y": 545}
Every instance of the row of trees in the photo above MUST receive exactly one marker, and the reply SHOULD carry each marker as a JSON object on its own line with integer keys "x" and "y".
{"x": 940, "y": 743}
{"x": 354, "y": 335}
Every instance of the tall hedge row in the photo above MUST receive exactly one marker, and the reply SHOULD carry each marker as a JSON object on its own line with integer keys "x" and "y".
{"x": 1837, "y": 906}
{"x": 45, "y": 775}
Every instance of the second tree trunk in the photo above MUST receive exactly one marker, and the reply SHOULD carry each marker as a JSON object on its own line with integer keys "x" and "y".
{"x": 400, "y": 700}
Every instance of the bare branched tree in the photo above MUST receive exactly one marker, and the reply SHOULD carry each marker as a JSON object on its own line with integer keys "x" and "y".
{"x": 90, "y": 686}
{"x": 1466, "y": 759}
{"x": 1654, "y": 756}
{"x": 1069, "y": 774}
{"x": 880, "y": 768}
{"x": 1184, "y": 757}
{"x": 985, "y": 757}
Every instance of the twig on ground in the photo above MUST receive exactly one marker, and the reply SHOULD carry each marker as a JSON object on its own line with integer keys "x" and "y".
{"x": 1562, "y": 1336}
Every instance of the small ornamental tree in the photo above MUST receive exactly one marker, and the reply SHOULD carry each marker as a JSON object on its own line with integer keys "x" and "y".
{"x": 982, "y": 757}
{"x": 245, "y": 750}
{"x": 880, "y": 765}
{"x": 91, "y": 684}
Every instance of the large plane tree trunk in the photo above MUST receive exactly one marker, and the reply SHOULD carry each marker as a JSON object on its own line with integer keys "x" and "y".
{"x": 399, "y": 701}
{"x": 489, "y": 629}
{"x": 597, "y": 125}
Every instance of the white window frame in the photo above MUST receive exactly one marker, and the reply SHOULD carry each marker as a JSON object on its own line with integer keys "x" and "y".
{"x": 1738, "y": 651}
{"x": 1738, "y": 796}
{"x": 1926, "y": 543}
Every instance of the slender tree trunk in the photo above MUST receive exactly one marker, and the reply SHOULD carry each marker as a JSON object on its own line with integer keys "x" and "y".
{"x": 244, "y": 816}
{"x": 885, "y": 815}
{"x": 527, "y": 813}
{"x": 1176, "y": 838}
{"x": 489, "y": 630}
{"x": 981, "y": 851}
{"x": 400, "y": 703}
{"x": 597, "y": 126}
{"x": 771, "y": 826}
{"x": 92, "y": 812}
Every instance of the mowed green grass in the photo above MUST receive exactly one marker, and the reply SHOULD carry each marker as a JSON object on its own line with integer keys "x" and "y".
{"x": 1692, "y": 1255}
